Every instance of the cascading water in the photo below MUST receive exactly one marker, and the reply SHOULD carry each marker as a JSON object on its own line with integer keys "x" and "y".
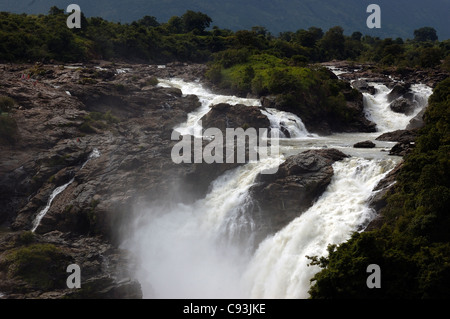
{"x": 286, "y": 121}
{"x": 377, "y": 107}
{"x": 206, "y": 98}
{"x": 94, "y": 154}
{"x": 279, "y": 268}
{"x": 205, "y": 250}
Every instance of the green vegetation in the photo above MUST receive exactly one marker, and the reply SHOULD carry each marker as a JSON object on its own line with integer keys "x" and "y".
{"x": 8, "y": 129}
{"x": 97, "y": 120}
{"x": 41, "y": 265}
{"x": 413, "y": 246}
{"x": 6, "y": 104}
{"x": 312, "y": 92}
{"x": 186, "y": 38}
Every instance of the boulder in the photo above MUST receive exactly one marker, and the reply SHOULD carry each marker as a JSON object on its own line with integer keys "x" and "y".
{"x": 402, "y": 148}
{"x": 364, "y": 144}
{"x": 402, "y": 105}
{"x": 279, "y": 198}
{"x": 223, "y": 116}
{"x": 399, "y": 90}
{"x": 417, "y": 121}
{"x": 404, "y": 136}
{"x": 364, "y": 87}
{"x": 378, "y": 198}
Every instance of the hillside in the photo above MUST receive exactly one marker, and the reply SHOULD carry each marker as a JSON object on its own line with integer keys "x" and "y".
{"x": 399, "y": 18}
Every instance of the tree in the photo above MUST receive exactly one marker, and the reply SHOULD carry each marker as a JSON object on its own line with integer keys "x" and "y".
{"x": 308, "y": 38}
{"x": 260, "y": 30}
{"x": 356, "y": 36}
{"x": 333, "y": 43}
{"x": 430, "y": 57}
{"x": 175, "y": 25}
{"x": 425, "y": 34}
{"x": 55, "y": 11}
{"x": 195, "y": 21}
{"x": 148, "y": 21}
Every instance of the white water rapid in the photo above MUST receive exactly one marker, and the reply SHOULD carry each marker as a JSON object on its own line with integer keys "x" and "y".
{"x": 205, "y": 250}
{"x": 377, "y": 107}
{"x": 58, "y": 190}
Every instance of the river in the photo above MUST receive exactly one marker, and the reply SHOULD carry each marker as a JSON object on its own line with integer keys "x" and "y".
{"x": 188, "y": 251}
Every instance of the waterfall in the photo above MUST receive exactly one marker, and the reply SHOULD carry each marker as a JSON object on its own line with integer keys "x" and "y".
{"x": 278, "y": 119}
{"x": 206, "y": 249}
{"x": 286, "y": 121}
{"x": 206, "y": 98}
{"x": 58, "y": 190}
{"x": 378, "y": 110}
{"x": 44, "y": 211}
{"x": 279, "y": 268}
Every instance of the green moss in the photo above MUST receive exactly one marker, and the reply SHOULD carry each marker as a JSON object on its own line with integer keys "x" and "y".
{"x": 153, "y": 81}
{"x": 40, "y": 265}
{"x": 8, "y": 129}
{"x": 6, "y": 104}
{"x": 86, "y": 128}
{"x": 87, "y": 80}
{"x": 26, "y": 238}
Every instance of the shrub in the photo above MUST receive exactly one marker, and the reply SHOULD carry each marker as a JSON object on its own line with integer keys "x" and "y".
{"x": 8, "y": 129}
{"x": 6, "y": 104}
{"x": 41, "y": 265}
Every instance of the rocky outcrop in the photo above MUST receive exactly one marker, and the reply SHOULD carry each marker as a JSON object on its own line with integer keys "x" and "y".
{"x": 199, "y": 176}
{"x": 369, "y": 71}
{"x": 300, "y": 180}
{"x": 63, "y": 114}
{"x": 379, "y": 194}
{"x": 405, "y": 138}
{"x": 417, "y": 121}
{"x": 402, "y": 105}
{"x": 399, "y": 90}
{"x": 103, "y": 267}
{"x": 223, "y": 116}
{"x": 364, "y": 87}
{"x": 398, "y": 136}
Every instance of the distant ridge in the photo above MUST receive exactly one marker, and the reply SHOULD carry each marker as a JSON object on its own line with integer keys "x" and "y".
{"x": 399, "y": 18}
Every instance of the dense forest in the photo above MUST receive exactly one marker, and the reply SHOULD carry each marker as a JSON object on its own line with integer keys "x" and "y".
{"x": 189, "y": 38}
{"x": 413, "y": 245}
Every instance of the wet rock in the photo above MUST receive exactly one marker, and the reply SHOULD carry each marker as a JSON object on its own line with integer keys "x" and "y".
{"x": 130, "y": 127}
{"x": 405, "y": 136}
{"x": 363, "y": 86}
{"x": 402, "y": 148}
{"x": 399, "y": 90}
{"x": 378, "y": 198}
{"x": 279, "y": 198}
{"x": 402, "y": 105}
{"x": 364, "y": 144}
{"x": 223, "y": 116}
{"x": 417, "y": 121}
